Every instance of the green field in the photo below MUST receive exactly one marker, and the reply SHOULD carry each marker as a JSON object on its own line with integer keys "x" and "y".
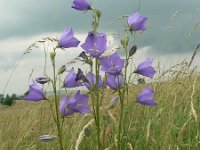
{"x": 172, "y": 125}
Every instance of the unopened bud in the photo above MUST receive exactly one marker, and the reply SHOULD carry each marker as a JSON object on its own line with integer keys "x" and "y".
{"x": 83, "y": 55}
{"x": 47, "y": 138}
{"x": 42, "y": 80}
{"x": 81, "y": 76}
{"x": 114, "y": 102}
{"x": 62, "y": 69}
{"x": 133, "y": 50}
{"x": 98, "y": 12}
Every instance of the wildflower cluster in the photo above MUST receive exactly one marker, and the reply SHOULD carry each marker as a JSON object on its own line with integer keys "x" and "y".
{"x": 110, "y": 72}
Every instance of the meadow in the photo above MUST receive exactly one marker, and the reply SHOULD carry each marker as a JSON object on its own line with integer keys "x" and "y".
{"x": 172, "y": 125}
{"x": 121, "y": 106}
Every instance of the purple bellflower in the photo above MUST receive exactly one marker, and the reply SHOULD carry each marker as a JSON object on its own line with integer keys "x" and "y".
{"x": 70, "y": 80}
{"x": 145, "y": 68}
{"x": 137, "y": 22}
{"x": 92, "y": 80}
{"x": 35, "y": 93}
{"x": 77, "y": 104}
{"x": 42, "y": 80}
{"x": 68, "y": 40}
{"x": 146, "y": 97}
{"x": 112, "y": 64}
{"x": 82, "y": 5}
{"x": 95, "y": 44}
{"x": 112, "y": 81}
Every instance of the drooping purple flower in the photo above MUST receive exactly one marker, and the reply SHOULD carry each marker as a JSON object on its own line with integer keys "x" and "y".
{"x": 35, "y": 93}
{"x": 81, "y": 5}
{"x": 77, "y": 104}
{"x": 145, "y": 68}
{"x": 42, "y": 80}
{"x": 137, "y": 22}
{"x": 92, "y": 81}
{"x": 146, "y": 97}
{"x": 112, "y": 81}
{"x": 112, "y": 64}
{"x": 70, "y": 80}
{"x": 95, "y": 44}
{"x": 67, "y": 39}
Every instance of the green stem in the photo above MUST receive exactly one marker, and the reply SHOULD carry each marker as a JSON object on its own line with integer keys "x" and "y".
{"x": 97, "y": 105}
{"x": 121, "y": 95}
{"x": 56, "y": 103}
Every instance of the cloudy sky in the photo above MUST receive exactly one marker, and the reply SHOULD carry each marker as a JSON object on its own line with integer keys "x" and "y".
{"x": 23, "y": 22}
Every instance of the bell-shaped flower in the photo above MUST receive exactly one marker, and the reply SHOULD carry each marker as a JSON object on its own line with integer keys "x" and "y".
{"x": 146, "y": 97}
{"x": 137, "y": 22}
{"x": 95, "y": 44}
{"x": 92, "y": 80}
{"x": 67, "y": 39}
{"x": 77, "y": 104}
{"x": 42, "y": 80}
{"x": 82, "y": 5}
{"x": 70, "y": 80}
{"x": 35, "y": 93}
{"x": 112, "y": 64}
{"x": 145, "y": 68}
{"x": 112, "y": 81}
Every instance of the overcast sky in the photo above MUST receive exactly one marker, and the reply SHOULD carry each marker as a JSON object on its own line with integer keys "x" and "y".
{"x": 23, "y": 22}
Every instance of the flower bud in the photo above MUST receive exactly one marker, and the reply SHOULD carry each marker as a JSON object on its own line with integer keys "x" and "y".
{"x": 133, "y": 50}
{"x": 47, "y": 138}
{"x": 61, "y": 69}
{"x": 81, "y": 76}
{"x": 98, "y": 12}
{"x": 42, "y": 80}
{"x": 86, "y": 131}
{"x": 52, "y": 56}
{"x": 83, "y": 55}
{"x": 113, "y": 102}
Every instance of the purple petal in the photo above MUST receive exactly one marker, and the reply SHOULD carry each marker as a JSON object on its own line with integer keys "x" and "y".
{"x": 145, "y": 68}
{"x": 137, "y": 22}
{"x": 112, "y": 64}
{"x": 95, "y": 44}
{"x": 70, "y": 80}
{"x": 112, "y": 81}
{"x": 68, "y": 40}
{"x": 35, "y": 93}
{"x": 81, "y": 5}
{"x": 79, "y": 103}
{"x": 64, "y": 106}
{"x": 146, "y": 97}
{"x": 92, "y": 80}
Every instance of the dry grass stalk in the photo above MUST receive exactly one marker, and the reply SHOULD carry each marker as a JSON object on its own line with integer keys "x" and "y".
{"x": 82, "y": 134}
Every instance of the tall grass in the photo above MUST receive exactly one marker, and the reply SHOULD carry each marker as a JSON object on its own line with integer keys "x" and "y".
{"x": 173, "y": 124}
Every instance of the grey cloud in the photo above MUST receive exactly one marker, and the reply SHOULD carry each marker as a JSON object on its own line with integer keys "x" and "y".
{"x": 27, "y": 18}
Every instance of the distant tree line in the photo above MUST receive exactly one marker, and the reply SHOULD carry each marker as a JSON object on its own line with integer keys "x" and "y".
{"x": 9, "y": 99}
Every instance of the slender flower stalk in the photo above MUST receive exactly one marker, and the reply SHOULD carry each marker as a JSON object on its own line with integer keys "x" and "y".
{"x": 56, "y": 100}
{"x": 97, "y": 104}
{"x": 125, "y": 88}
